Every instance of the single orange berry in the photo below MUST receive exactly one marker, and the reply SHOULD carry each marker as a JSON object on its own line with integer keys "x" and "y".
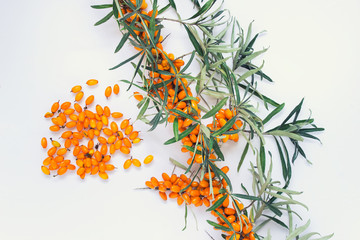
{"x": 108, "y": 91}
{"x": 89, "y": 100}
{"x": 116, "y": 115}
{"x": 116, "y": 89}
{"x": 127, "y": 164}
{"x": 45, "y": 170}
{"x": 129, "y": 129}
{"x": 76, "y": 89}
{"x": 48, "y": 115}
{"x": 44, "y": 142}
{"x": 79, "y": 96}
{"x": 148, "y": 159}
{"x": 65, "y": 105}
{"x": 78, "y": 108}
{"x": 136, "y": 140}
{"x": 124, "y": 124}
{"x": 138, "y": 96}
{"x": 92, "y": 82}
{"x": 103, "y": 175}
{"x": 124, "y": 150}
{"x": 61, "y": 170}
{"x": 55, "y": 107}
{"x": 136, "y": 162}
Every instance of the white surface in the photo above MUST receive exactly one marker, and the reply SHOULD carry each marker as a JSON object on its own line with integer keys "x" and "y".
{"x": 49, "y": 46}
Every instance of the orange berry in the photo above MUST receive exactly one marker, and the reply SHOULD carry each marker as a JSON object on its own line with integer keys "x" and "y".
{"x": 92, "y": 82}
{"x": 114, "y": 127}
{"x": 124, "y": 124}
{"x": 127, "y": 142}
{"x": 148, "y": 159}
{"x": 136, "y": 162}
{"x": 51, "y": 151}
{"x": 116, "y": 89}
{"x": 163, "y": 195}
{"x": 228, "y": 114}
{"x": 65, "y": 105}
{"x": 45, "y": 170}
{"x": 116, "y": 115}
{"x": 129, "y": 129}
{"x": 89, "y": 100}
{"x": 55, "y": 107}
{"x": 62, "y": 170}
{"x": 44, "y": 142}
{"x": 127, "y": 164}
{"x": 79, "y": 96}
{"x": 105, "y": 120}
{"x": 109, "y": 167}
{"x": 108, "y": 91}
{"x": 138, "y": 96}
{"x": 180, "y": 200}
{"x": 78, "y": 108}
{"x": 136, "y": 140}
{"x": 103, "y": 175}
{"x": 48, "y": 115}
{"x": 107, "y": 111}
{"x": 125, "y": 150}
{"x": 133, "y": 135}
{"x": 76, "y": 89}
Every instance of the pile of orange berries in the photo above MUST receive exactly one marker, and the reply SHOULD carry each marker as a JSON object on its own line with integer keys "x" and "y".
{"x": 104, "y": 137}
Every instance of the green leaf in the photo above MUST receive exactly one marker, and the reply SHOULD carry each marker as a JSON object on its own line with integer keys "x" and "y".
{"x": 122, "y": 42}
{"x": 217, "y": 226}
{"x": 176, "y": 129}
{"x": 282, "y": 159}
{"x": 176, "y": 163}
{"x": 251, "y": 57}
{"x": 164, "y": 9}
{"x": 126, "y": 61}
{"x": 243, "y": 156}
{"x": 215, "y": 109}
{"x": 104, "y": 19}
{"x": 286, "y": 134}
{"x": 273, "y": 113}
{"x": 172, "y": 3}
{"x": 194, "y": 42}
{"x": 182, "y": 114}
{"x": 250, "y": 73}
{"x": 185, "y": 218}
{"x": 217, "y": 203}
{"x": 102, "y": 6}
{"x": 182, "y": 135}
{"x": 226, "y": 127}
{"x": 204, "y": 8}
{"x": 144, "y": 108}
{"x": 297, "y": 231}
{"x": 248, "y": 197}
{"x": 325, "y": 237}
{"x": 277, "y": 221}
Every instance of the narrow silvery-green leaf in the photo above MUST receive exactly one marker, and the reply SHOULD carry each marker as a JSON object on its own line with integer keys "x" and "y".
{"x": 251, "y": 57}
{"x": 273, "y": 113}
{"x": 176, "y": 129}
{"x": 104, "y": 19}
{"x": 204, "y": 8}
{"x": 286, "y": 199}
{"x": 182, "y": 135}
{"x": 243, "y": 156}
{"x": 250, "y": 73}
{"x": 176, "y": 163}
{"x": 102, "y": 6}
{"x": 126, "y": 61}
{"x": 286, "y": 134}
{"x": 297, "y": 231}
{"x": 215, "y": 109}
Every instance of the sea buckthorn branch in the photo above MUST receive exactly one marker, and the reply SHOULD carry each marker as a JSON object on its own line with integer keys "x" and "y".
{"x": 168, "y": 88}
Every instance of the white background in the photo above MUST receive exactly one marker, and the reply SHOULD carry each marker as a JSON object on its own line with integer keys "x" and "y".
{"x": 49, "y": 46}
